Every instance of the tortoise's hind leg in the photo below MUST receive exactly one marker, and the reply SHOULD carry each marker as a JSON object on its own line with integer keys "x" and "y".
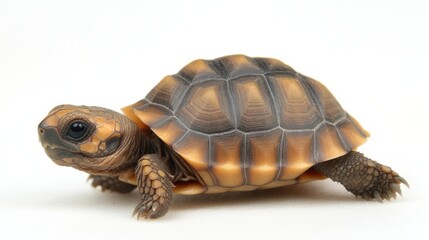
{"x": 110, "y": 183}
{"x": 363, "y": 176}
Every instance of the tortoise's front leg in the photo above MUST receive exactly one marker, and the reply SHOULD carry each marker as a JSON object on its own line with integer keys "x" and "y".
{"x": 110, "y": 183}
{"x": 362, "y": 176}
{"x": 155, "y": 187}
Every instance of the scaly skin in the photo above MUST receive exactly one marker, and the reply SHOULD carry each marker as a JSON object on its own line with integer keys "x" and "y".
{"x": 155, "y": 187}
{"x": 112, "y": 184}
{"x": 362, "y": 176}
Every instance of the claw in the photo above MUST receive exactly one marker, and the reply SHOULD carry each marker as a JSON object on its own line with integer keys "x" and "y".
{"x": 377, "y": 196}
{"x": 402, "y": 180}
{"x": 396, "y": 188}
{"x": 139, "y": 212}
{"x": 391, "y": 194}
{"x": 135, "y": 212}
{"x": 144, "y": 209}
{"x": 139, "y": 215}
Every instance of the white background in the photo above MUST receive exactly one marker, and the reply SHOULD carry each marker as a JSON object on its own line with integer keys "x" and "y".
{"x": 372, "y": 55}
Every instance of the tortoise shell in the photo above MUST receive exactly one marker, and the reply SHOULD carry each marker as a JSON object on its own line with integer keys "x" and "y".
{"x": 245, "y": 123}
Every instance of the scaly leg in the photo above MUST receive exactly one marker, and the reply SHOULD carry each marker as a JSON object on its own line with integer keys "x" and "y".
{"x": 110, "y": 183}
{"x": 362, "y": 176}
{"x": 155, "y": 187}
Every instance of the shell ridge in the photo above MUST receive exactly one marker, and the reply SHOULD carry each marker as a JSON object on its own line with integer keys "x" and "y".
{"x": 258, "y": 75}
{"x": 341, "y": 137}
{"x": 244, "y": 75}
{"x": 182, "y": 137}
{"x": 281, "y": 156}
{"x": 210, "y": 161}
{"x": 281, "y": 72}
{"x": 202, "y": 81}
{"x": 184, "y": 77}
{"x": 178, "y": 96}
{"x": 267, "y": 130}
{"x": 314, "y": 147}
{"x": 232, "y": 104}
{"x": 160, "y": 123}
{"x": 178, "y": 76}
{"x": 219, "y": 68}
{"x": 312, "y": 95}
{"x": 180, "y": 99}
{"x": 245, "y": 160}
{"x": 159, "y": 105}
{"x": 275, "y": 103}
{"x": 260, "y": 62}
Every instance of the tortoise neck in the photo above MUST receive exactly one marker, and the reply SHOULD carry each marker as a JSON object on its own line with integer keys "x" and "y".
{"x": 131, "y": 152}
{"x": 177, "y": 166}
{"x": 148, "y": 146}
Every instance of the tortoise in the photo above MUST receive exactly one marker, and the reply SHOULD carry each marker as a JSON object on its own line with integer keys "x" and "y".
{"x": 234, "y": 123}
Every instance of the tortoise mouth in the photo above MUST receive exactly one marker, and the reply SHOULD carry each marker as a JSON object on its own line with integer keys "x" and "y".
{"x": 54, "y": 146}
{"x": 60, "y": 156}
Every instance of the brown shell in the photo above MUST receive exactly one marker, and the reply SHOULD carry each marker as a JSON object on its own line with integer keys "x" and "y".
{"x": 244, "y": 123}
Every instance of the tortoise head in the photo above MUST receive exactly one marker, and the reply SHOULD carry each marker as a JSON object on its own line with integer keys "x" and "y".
{"x": 92, "y": 139}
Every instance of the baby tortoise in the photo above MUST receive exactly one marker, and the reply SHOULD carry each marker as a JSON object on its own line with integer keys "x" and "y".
{"x": 231, "y": 124}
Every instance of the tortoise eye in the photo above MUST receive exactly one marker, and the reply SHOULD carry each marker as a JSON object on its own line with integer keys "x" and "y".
{"x": 77, "y": 130}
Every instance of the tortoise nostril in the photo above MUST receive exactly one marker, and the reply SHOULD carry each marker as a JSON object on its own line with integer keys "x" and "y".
{"x": 41, "y": 129}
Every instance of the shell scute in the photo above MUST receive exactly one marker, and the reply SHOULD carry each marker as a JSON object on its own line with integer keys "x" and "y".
{"x": 199, "y": 70}
{"x": 168, "y": 92}
{"x": 298, "y": 154}
{"x": 353, "y": 135}
{"x": 329, "y": 106}
{"x": 328, "y": 143}
{"x": 295, "y": 110}
{"x": 227, "y": 150}
{"x": 170, "y": 130}
{"x": 254, "y": 105}
{"x": 271, "y": 65}
{"x": 206, "y": 108}
{"x": 264, "y": 154}
{"x": 194, "y": 148}
{"x": 151, "y": 114}
{"x": 239, "y": 65}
